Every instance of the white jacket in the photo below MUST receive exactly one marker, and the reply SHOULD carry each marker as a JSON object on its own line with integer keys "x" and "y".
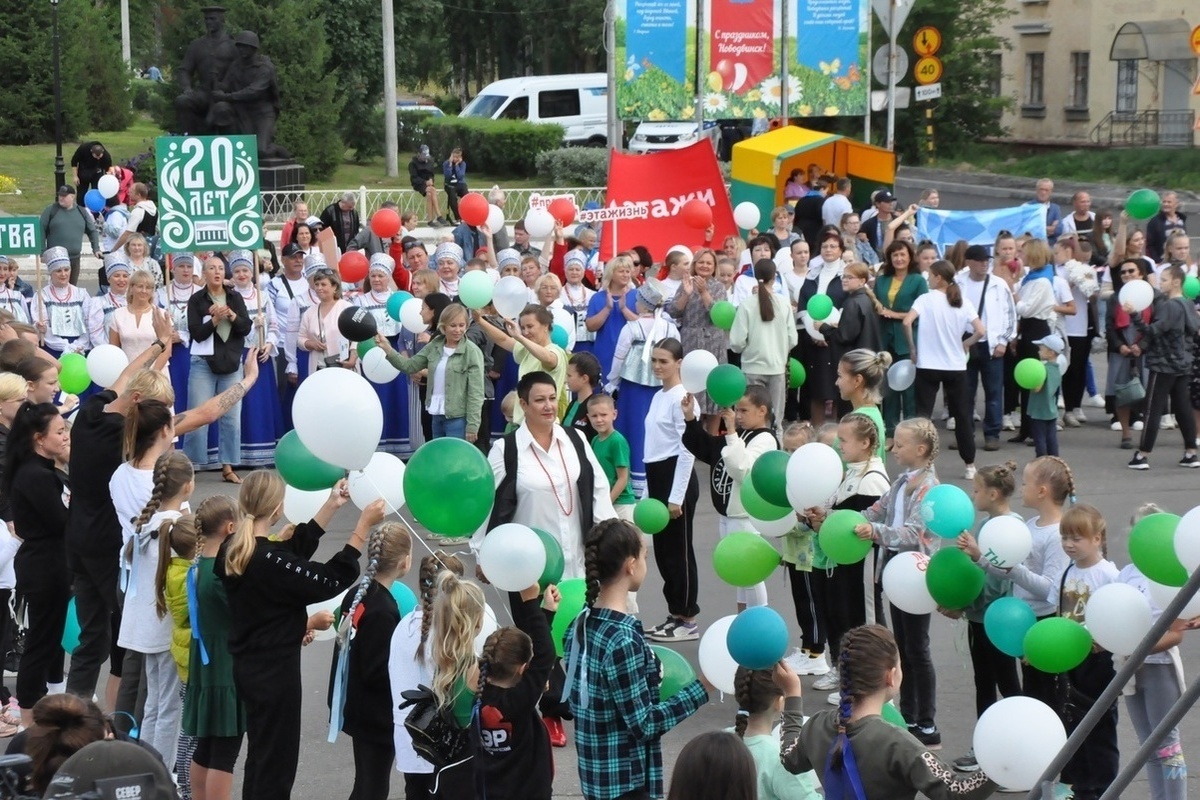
{"x": 997, "y": 311}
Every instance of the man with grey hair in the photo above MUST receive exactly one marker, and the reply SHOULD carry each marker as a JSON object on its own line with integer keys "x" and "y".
{"x": 497, "y": 197}
{"x": 342, "y": 218}
{"x": 1045, "y": 187}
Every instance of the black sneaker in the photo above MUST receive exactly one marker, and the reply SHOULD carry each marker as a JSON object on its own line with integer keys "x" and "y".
{"x": 1190, "y": 461}
{"x": 1139, "y": 462}
{"x": 931, "y": 737}
{"x": 967, "y": 763}
{"x": 660, "y": 627}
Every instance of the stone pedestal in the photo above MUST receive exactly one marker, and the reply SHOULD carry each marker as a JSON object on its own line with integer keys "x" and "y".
{"x": 281, "y": 181}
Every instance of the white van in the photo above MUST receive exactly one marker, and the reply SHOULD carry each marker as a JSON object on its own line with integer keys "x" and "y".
{"x": 577, "y": 102}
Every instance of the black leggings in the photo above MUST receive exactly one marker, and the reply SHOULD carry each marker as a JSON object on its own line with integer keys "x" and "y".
{"x": 1075, "y": 380}
{"x": 372, "y": 769}
{"x": 844, "y": 604}
{"x": 270, "y": 687}
{"x": 807, "y": 591}
{"x": 673, "y": 551}
{"x": 954, "y": 393}
{"x": 918, "y": 690}
{"x": 1161, "y": 389}
{"x": 994, "y": 671}
{"x": 43, "y": 657}
{"x": 218, "y": 753}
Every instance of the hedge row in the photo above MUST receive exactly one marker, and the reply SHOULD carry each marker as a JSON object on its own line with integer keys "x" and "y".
{"x": 506, "y": 148}
{"x": 574, "y": 166}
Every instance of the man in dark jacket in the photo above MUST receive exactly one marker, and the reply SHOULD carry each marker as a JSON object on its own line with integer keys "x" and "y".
{"x": 1169, "y": 218}
{"x": 342, "y": 218}
{"x": 90, "y": 163}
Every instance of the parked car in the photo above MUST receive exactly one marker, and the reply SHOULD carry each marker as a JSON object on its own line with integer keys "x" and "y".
{"x": 652, "y": 136}
{"x": 577, "y": 102}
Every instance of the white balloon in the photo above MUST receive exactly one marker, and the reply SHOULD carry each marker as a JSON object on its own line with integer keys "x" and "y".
{"x": 1138, "y": 294}
{"x": 538, "y": 223}
{"x": 495, "y": 220}
{"x": 810, "y": 327}
{"x": 333, "y": 605}
{"x": 1016, "y": 739}
{"x": 1005, "y": 541}
{"x": 377, "y": 368}
{"x": 694, "y": 370}
{"x": 566, "y": 320}
{"x": 1187, "y": 540}
{"x": 813, "y": 475}
{"x": 1118, "y": 616}
{"x": 901, "y": 375}
{"x": 746, "y": 215}
{"x": 512, "y": 556}
{"x": 338, "y": 417}
{"x": 382, "y": 477}
{"x": 1163, "y": 595}
{"x": 106, "y": 362}
{"x": 108, "y": 185}
{"x": 904, "y": 583}
{"x": 410, "y": 315}
{"x": 774, "y": 527}
{"x": 715, "y": 661}
{"x": 488, "y": 625}
{"x": 300, "y": 506}
{"x": 510, "y": 297}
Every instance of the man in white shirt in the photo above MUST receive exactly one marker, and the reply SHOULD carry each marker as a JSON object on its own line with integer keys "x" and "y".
{"x": 993, "y": 299}
{"x": 837, "y": 204}
{"x": 1082, "y": 219}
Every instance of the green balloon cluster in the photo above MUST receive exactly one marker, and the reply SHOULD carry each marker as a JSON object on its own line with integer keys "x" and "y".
{"x": 555, "y": 563}
{"x": 744, "y": 559}
{"x": 726, "y": 385}
{"x": 456, "y": 463}
{"x": 1142, "y": 204}
{"x": 676, "y": 672}
{"x": 300, "y": 469}
{"x": 722, "y": 314}
{"x": 796, "y": 374}
{"x": 1057, "y": 645}
{"x": 1029, "y": 373}
{"x": 574, "y": 597}
{"x": 838, "y": 540}
{"x": 73, "y": 377}
{"x": 769, "y": 476}
{"x": 953, "y": 580}
{"x": 819, "y": 307}
{"x": 1152, "y": 549}
{"x": 651, "y": 516}
{"x": 759, "y": 507}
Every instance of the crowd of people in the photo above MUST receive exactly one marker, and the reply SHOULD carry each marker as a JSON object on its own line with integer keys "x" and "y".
{"x": 580, "y": 405}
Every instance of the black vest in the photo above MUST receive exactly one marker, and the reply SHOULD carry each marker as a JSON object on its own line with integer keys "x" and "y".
{"x": 505, "y": 507}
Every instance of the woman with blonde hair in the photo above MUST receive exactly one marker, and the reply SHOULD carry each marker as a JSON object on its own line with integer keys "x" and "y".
{"x": 133, "y": 324}
{"x": 611, "y": 307}
{"x": 138, "y": 251}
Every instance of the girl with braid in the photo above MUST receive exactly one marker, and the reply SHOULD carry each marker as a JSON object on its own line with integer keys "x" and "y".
{"x": 512, "y": 745}
{"x": 613, "y": 676}
{"x": 360, "y": 695}
{"x": 143, "y": 630}
{"x": 176, "y": 552}
{"x": 410, "y": 666}
{"x": 760, "y": 703}
{"x": 861, "y": 755}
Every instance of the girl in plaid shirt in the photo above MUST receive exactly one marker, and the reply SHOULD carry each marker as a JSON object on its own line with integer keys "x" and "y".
{"x": 613, "y": 676}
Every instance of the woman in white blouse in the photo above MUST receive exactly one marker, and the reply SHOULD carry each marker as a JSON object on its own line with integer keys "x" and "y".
{"x": 319, "y": 333}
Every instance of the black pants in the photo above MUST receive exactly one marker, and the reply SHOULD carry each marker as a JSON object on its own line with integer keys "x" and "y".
{"x": 131, "y": 692}
{"x": 484, "y": 440}
{"x": 94, "y": 584}
{"x": 994, "y": 671}
{"x": 954, "y": 392}
{"x": 843, "y": 605}
{"x": 807, "y": 589}
{"x": 1045, "y": 436}
{"x": 372, "y": 769}
{"x": 418, "y": 785}
{"x": 1074, "y": 382}
{"x": 270, "y": 687}
{"x": 1012, "y": 392}
{"x": 1096, "y": 763}
{"x": 47, "y": 610}
{"x": 456, "y": 782}
{"x": 454, "y": 191}
{"x": 673, "y": 551}
{"x": 1161, "y": 389}
{"x": 918, "y": 690}
{"x": 1037, "y": 684}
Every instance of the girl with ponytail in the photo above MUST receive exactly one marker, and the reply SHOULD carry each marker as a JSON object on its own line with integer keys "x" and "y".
{"x": 511, "y": 742}
{"x": 270, "y": 581}
{"x": 176, "y": 552}
{"x": 613, "y": 675}
{"x": 764, "y": 332}
{"x": 860, "y": 753}
{"x": 760, "y": 703}
{"x": 360, "y": 695}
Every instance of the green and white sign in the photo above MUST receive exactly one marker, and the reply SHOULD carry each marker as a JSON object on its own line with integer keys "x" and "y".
{"x": 208, "y": 197}
{"x": 20, "y": 236}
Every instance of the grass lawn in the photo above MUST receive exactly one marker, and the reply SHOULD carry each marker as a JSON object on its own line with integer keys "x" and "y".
{"x": 1151, "y": 167}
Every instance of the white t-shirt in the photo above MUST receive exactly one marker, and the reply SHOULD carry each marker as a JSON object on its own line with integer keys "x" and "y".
{"x": 437, "y": 388}
{"x": 833, "y": 208}
{"x": 1076, "y": 324}
{"x": 940, "y": 331}
{"x": 406, "y": 672}
{"x": 130, "y": 488}
{"x": 141, "y": 628}
{"x": 1080, "y": 584}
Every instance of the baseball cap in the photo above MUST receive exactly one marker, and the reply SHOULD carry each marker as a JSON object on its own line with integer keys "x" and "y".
{"x": 65, "y": 190}
{"x": 976, "y": 252}
{"x": 292, "y": 249}
{"x": 1051, "y": 341}
{"x": 113, "y": 769}
{"x": 885, "y": 197}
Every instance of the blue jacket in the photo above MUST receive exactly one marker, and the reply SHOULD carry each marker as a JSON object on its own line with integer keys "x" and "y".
{"x": 454, "y": 173}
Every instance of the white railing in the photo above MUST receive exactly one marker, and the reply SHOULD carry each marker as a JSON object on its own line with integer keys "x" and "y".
{"x": 277, "y": 206}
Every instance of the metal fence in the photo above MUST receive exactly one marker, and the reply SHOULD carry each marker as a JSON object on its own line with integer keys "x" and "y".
{"x": 277, "y": 206}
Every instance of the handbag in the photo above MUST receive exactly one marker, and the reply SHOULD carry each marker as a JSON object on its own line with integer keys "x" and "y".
{"x": 436, "y": 737}
{"x": 1131, "y": 391}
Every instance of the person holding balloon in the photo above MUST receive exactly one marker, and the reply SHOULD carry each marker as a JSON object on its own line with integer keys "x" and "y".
{"x": 415, "y": 334}
{"x": 262, "y": 414}
{"x": 760, "y": 702}
{"x": 824, "y": 278}
{"x": 1043, "y": 298}
{"x": 691, "y": 308}
{"x": 319, "y": 333}
{"x": 299, "y": 364}
{"x": 1125, "y": 357}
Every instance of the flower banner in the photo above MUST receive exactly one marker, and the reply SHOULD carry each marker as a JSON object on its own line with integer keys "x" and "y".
{"x": 658, "y": 78}
{"x": 829, "y": 59}
{"x": 741, "y": 59}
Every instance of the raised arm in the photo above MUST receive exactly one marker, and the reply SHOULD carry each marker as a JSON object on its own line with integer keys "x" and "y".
{"x": 215, "y": 408}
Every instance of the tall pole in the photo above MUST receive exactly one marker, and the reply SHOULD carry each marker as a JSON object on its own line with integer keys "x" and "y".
{"x": 126, "y": 54}
{"x": 783, "y": 64}
{"x": 60, "y": 170}
{"x": 867, "y": 116}
{"x": 615, "y": 137}
{"x": 891, "y": 87}
{"x": 699, "y": 81}
{"x": 390, "y": 134}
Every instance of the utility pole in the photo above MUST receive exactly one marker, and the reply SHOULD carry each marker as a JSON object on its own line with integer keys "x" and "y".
{"x": 614, "y": 130}
{"x": 126, "y": 54}
{"x": 390, "y": 134}
{"x": 891, "y": 87}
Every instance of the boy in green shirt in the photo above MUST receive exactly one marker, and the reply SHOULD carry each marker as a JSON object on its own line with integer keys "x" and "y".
{"x": 1043, "y": 400}
{"x": 612, "y": 451}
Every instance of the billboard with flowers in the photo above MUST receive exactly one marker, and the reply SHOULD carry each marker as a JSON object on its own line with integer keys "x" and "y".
{"x": 656, "y": 59}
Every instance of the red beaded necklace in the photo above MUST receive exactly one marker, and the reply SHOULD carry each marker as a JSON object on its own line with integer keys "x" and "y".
{"x": 570, "y": 507}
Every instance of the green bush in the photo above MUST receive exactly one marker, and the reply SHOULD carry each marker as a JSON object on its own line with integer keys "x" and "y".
{"x": 365, "y": 137}
{"x": 574, "y": 166}
{"x": 505, "y": 148}
{"x": 142, "y": 93}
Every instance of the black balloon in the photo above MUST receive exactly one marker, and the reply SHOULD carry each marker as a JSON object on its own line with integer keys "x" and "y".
{"x": 357, "y": 325}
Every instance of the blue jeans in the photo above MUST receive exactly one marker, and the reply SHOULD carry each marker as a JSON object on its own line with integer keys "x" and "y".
{"x": 203, "y": 385}
{"x": 981, "y": 365}
{"x": 1045, "y": 436}
{"x": 453, "y": 427}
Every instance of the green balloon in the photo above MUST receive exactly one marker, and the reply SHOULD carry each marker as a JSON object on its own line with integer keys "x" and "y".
{"x": 722, "y": 314}
{"x": 574, "y": 597}
{"x": 300, "y": 469}
{"x": 1057, "y": 645}
{"x": 953, "y": 580}
{"x": 838, "y": 539}
{"x": 1029, "y": 373}
{"x": 554, "y": 560}
{"x": 1142, "y": 204}
{"x": 796, "y": 374}
{"x": 726, "y": 385}
{"x": 475, "y": 289}
{"x": 1152, "y": 549}
{"x": 819, "y": 306}
{"x": 769, "y": 476}
{"x": 676, "y": 672}
{"x": 449, "y": 487}
{"x": 744, "y": 559}
{"x": 756, "y": 506}
{"x": 73, "y": 377}
{"x": 1191, "y": 287}
{"x": 650, "y": 515}
{"x": 365, "y": 347}
{"x": 892, "y": 715}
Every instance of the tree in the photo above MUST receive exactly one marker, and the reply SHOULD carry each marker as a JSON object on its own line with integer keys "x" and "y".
{"x": 93, "y": 39}
{"x": 356, "y": 58}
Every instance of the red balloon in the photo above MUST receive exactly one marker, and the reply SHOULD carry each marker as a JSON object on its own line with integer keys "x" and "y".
{"x": 385, "y": 223}
{"x": 353, "y": 266}
{"x": 473, "y": 209}
{"x": 563, "y": 210}
{"x": 696, "y": 214}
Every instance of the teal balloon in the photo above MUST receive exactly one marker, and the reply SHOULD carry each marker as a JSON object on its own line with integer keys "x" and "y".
{"x": 404, "y": 596}
{"x": 726, "y": 385}
{"x": 743, "y": 559}
{"x": 449, "y": 487}
{"x": 559, "y": 335}
{"x": 395, "y": 301}
{"x": 796, "y": 374}
{"x": 758, "y": 506}
{"x": 838, "y": 539}
{"x": 1142, "y": 204}
{"x": 1006, "y": 622}
{"x": 1029, "y": 373}
{"x": 300, "y": 469}
{"x": 1056, "y": 645}
{"x": 758, "y": 638}
{"x": 73, "y": 377}
{"x": 651, "y": 516}
{"x": 70, "y": 637}
{"x": 676, "y": 672}
{"x": 722, "y": 314}
{"x": 555, "y": 563}
{"x": 1152, "y": 549}
{"x": 475, "y": 289}
{"x": 947, "y": 511}
{"x": 574, "y": 597}
{"x": 769, "y": 476}
{"x": 819, "y": 307}
{"x": 953, "y": 579}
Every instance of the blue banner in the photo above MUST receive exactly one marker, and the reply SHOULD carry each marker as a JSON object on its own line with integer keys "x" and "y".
{"x": 656, "y": 35}
{"x": 944, "y": 228}
{"x": 830, "y": 62}
{"x": 827, "y": 33}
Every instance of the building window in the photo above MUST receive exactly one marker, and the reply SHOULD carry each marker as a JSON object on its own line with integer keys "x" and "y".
{"x": 1034, "y": 102}
{"x": 1079, "y": 79}
{"x": 1127, "y": 86}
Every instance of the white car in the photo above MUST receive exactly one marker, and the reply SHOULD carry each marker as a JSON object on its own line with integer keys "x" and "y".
{"x": 652, "y": 136}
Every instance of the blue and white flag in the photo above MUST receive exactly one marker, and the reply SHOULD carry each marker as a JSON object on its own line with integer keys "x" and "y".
{"x": 944, "y": 228}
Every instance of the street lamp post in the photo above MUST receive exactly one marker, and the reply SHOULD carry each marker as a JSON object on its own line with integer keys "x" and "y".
{"x": 60, "y": 170}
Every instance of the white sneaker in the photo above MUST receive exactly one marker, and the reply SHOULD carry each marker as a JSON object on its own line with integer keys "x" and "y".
{"x": 1008, "y": 423}
{"x": 951, "y": 424}
{"x": 1059, "y": 426}
{"x": 1070, "y": 420}
{"x": 1116, "y": 426}
{"x": 1137, "y": 426}
{"x": 834, "y": 698}
{"x": 1080, "y": 416}
{"x": 969, "y": 472}
{"x": 830, "y": 680}
{"x": 803, "y": 662}
{"x": 977, "y": 417}
{"x": 1061, "y": 404}
{"x": 945, "y": 414}
{"x": 1168, "y": 422}
{"x": 1096, "y": 401}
